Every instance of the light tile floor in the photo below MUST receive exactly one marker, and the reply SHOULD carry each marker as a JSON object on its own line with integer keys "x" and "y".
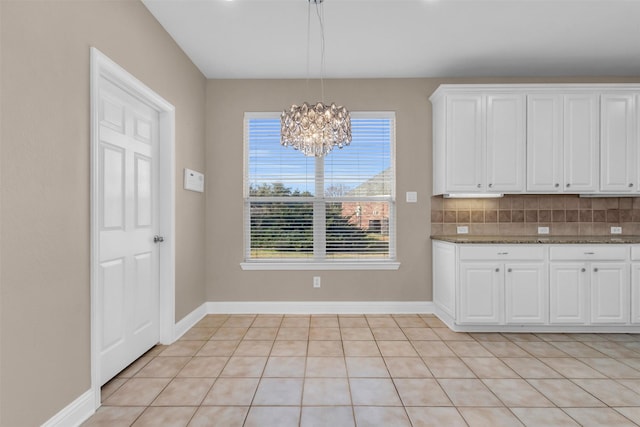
{"x": 374, "y": 370}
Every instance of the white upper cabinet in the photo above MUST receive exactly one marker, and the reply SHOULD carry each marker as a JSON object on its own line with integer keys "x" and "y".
{"x": 618, "y": 143}
{"x": 580, "y": 143}
{"x": 544, "y": 143}
{"x": 464, "y": 149}
{"x": 562, "y": 143}
{"x": 483, "y": 146}
{"x": 536, "y": 138}
{"x": 505, "y": 143}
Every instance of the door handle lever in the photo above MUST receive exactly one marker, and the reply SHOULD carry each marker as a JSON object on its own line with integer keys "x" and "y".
{"x": 158, "y": 239}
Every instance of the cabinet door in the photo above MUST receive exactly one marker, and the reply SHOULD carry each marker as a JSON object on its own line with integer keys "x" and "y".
{"x": 465, "y": 155}
{"x": 526, "y": 293}
{"x": 635, "y": 292}
{"x": 581, "y": 143}
{"x": 609, "y": 293}
{"x": 505, "y": 142}
{"x": 618, "y": 151}
{"x": 568, "y": 293}
{"x": 544, "y": 143}
{"x": 481, "y": 287}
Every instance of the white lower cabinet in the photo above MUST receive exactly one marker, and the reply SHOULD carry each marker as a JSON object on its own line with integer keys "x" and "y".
{"x": 635, "y": 292}
{"x": 568, "y": 293}
{"x": 609, "y": 292}
{"x": 538, "y": 286}
{"x": 526, "y": 293}
{"x": 495, "y": 293}
{"x": 481, "y": 293}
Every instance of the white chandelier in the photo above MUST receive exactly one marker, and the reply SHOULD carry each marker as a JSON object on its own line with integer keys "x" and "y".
{"x": 315, "y": 129}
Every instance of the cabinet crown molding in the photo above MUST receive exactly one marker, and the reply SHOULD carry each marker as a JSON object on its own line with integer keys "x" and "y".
{"x": 447, "y": 89}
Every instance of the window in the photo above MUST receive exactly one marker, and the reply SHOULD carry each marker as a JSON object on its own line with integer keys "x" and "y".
{"x": 332, "y": 210}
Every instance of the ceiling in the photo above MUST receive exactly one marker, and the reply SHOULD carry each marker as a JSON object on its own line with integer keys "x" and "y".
{"x": 406, "y": 38}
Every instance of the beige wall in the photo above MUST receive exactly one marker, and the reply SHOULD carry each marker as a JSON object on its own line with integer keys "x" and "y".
{"x": 227, "y": 100}
{"x": 45, "y": 186}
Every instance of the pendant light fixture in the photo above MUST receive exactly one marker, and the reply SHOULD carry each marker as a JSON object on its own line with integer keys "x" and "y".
{"x": 315, "y": 129}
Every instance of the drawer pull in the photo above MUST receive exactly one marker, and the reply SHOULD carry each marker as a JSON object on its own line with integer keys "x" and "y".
{"x": 503, "y": 253}
{"x": 583, "y": 269}
{"x": 568, "y": 185}
{"x": 589, "y": 253}
{"x": 595, "y": 270}
{"x": 497, "y": 270}
{"x": 509, "y": 270}
{"x": 479, "y": 185}
{"x": 557, "y": 185}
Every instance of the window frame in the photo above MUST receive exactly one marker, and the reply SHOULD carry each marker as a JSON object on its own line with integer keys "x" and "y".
{"x": 319, "y": 260}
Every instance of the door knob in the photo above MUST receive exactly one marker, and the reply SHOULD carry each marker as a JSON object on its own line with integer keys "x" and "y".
{"x": 479, "y": 185}
{"x": 557, "y": 185}
{"x": 158, "y": 239}
{"x": 509, "y": 270}
{"x": 568, "y": 185}
{"x": 595, "y": 270}
{"x": 631, "y": 184}
{"x": 497, "y": 270}
{"x": 583, "y": 270}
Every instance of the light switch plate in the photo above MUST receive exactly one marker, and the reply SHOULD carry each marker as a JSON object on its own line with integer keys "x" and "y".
{"x": 463, "y": 229}
{"x": 543, "y": 230}
{"x": 193, "y": 180}
{"x": 616, "y": 230}
{"x": 412, "y": 197}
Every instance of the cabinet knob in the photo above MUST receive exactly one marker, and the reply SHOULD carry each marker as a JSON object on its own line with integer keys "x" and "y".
{"x": 583, "y": 269}
{"x": 568, "y": 185}
{"x": 630, "y": 184}
{"x": 557, "y": 185}
{"x": 595, "y": 270}
{"x": 490, "y": 185}
{"x": 509, "y": 270}
{"x": 497, "y": 270}
{"x": 479, "y": 185}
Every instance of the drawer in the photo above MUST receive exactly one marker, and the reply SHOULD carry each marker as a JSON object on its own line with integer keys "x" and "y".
{"x": 501, "y": 252}
{"x": 588, "y": 253}
{"x": 635, "y": 253}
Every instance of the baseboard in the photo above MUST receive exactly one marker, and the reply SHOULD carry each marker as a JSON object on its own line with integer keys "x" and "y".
{"x": 319, "y": 307}
{"x": 74, "y": 413}
{"x": 189, "y": 320}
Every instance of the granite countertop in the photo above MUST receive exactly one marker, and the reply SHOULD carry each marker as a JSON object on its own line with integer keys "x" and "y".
{"x": 466, "y": 238}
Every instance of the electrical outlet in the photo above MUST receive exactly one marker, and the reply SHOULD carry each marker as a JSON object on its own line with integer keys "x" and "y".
{"x": 463, "y": 229}
{"x": 616, "y": 230}
{"x": 543, "y": 230}
{"x": 316, "y": 281}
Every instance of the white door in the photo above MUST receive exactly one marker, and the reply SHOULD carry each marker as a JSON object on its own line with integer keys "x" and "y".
{"x": 581, "y": 143}
{"x": 544, "y": 143}
{"x": 609, "y": 292}
{"x": 481, "y": 292}
{"x": 635, "y": 292}
{"x": 526, "y": 296}
{"x": 128, "y": 282}
{"x": 568, "y": 293}
{"x": 465, "y": 155}
{"x": 505, "y": 142}
{"x": 618, "y": 143}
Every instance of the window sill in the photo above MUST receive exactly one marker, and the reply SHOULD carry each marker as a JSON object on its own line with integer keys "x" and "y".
{"x": 333, "y": 265}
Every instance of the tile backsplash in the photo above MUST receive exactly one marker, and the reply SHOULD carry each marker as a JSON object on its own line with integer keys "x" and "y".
{"x": 565, "y": 215}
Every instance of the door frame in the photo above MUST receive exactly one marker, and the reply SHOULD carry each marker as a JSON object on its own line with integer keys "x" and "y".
{"x": 103, "y": 68}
